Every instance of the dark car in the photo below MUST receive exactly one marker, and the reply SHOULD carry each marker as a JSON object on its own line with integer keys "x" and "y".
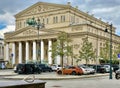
{"x": 115, "y": 67}
{"x": 98, "y": 68}
{"x": 27, "y": 69}
{"x": 117, "y": 74}
{"x": 45, "y": 67}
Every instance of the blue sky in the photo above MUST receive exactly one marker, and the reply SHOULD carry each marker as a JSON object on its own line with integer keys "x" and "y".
{"x": 108, "y": 10}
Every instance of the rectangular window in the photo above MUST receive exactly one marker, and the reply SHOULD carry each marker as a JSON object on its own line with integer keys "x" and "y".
{"x": 53, "y": 19}
{"x": 43, "y": 20}
{"x": 47, "y": 20}
{"x": 56, "y": 19}
{"x": 63, "y": 18}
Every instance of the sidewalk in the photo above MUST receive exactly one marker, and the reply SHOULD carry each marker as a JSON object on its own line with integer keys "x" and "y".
{"x": 46, "y": 76}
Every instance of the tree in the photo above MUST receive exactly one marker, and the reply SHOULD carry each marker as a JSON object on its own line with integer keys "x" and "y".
{"x": 115, "y": 54}
{"x": 105, "y": 51}
{"x": 87, "y": 53}
{"x": 62, "y": 46}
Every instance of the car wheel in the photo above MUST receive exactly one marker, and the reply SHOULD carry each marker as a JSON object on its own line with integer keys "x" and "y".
{"x": 117, "y": 76}
{"x": 50, "y": 70}
{"x": 39, "y": 72}
{"x": 79, "y": 73}
{"x": 59, "y": 72}
{"x": 73, "y": 73}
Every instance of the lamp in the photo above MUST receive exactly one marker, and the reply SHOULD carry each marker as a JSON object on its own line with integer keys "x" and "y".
{"x": 38, "y": 24}
{"x": 106, "y": 30}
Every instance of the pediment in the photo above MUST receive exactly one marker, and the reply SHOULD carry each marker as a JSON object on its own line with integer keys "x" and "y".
{"x": 28, "y": 31}
{"x": 39, "y": 8}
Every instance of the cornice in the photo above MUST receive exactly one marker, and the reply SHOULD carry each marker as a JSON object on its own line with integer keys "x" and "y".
{"x": 32, "y": 37}
{"x": 41, "y": 3}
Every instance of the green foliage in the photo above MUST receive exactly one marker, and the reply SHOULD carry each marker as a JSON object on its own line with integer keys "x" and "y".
{"x": 107, "y": 61}
{"x": 62, "y": 46}
{"x": 87, "y": 53}
{"x": 105, "y": 51}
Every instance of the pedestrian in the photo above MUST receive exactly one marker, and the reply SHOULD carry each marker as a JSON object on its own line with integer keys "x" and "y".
{"x": 3, "y": 65}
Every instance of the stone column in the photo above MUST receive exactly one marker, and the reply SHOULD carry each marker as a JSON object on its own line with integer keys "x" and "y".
{"x": 34, "y": 50}
{"x": 42, "y": 50}
{"x": 49, "y": 53}
{"x": 20, "y": 52}
{"x": 13, "y": 53}
{"x": 27, "y": 52}
{"x": 7, "y": 52}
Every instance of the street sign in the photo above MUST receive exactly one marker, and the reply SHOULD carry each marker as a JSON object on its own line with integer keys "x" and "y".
{"x": 118, "y": 56}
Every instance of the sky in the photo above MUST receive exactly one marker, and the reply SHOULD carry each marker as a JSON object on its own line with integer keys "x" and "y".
{"x": 107, "y": 10}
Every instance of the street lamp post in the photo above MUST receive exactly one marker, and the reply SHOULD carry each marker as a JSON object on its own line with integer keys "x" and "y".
{"x": 106, "y": 30}
{"x": 39, "y": 25}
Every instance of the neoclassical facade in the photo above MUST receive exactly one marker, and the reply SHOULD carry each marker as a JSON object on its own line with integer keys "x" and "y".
{"x": 30, "y": 43}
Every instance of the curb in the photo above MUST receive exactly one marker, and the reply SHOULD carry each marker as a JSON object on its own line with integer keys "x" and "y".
{"x": 56, "y": 77}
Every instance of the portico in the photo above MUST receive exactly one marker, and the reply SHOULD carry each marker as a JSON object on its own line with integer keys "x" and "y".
{"x": 28, "y": 51}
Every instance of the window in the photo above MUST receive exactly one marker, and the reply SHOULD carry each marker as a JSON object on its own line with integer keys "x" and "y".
{"x": 77, "y": 19}
{"x": 55, "y": 19}
{"x": 43, "y": 20}
{"x": 20, "y": 25}
{"x": 100, "y": 44}
{"x": 63, "y": 18}
{"x": 47, "y": 20}
{"x": 24, "y": 24}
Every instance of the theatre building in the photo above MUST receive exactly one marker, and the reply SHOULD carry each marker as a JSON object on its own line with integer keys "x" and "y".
{"x": 30, "y": 43}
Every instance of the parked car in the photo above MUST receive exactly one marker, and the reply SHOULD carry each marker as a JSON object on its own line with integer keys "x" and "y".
{"x": 87, "y": 70}
{"x": 98, "y": 68}
{"x": 56, "y": 67}
{"x": 107, "y": 68}
{"x": 27, "y": 69}
{"x": 115, "y": 67}
{"x": 71, "y": 70}
{"x": 45, "y": 67}
{"x": 117, "y": 74}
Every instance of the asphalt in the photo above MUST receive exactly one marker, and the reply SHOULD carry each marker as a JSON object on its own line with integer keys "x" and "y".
{"x": 45, "y": 76}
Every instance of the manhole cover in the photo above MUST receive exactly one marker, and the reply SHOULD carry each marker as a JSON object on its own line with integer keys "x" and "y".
{"x": 56, "y": 86}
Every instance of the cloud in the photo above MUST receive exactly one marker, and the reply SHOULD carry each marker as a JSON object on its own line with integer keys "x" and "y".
{"x": 9, "y": 28}
{"x": 7, "y": 18}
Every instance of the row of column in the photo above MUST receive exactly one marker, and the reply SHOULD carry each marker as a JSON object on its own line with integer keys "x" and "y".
{"x": 13, "y": 55}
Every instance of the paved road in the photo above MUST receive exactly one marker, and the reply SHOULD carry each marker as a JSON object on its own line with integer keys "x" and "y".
{"x": 97, "y": 82}
{"x": 94, "y": 82}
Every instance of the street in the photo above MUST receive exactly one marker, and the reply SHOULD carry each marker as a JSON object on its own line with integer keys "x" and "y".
{"x": 92, "y": 82}
{"x": 97, "y": 82}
